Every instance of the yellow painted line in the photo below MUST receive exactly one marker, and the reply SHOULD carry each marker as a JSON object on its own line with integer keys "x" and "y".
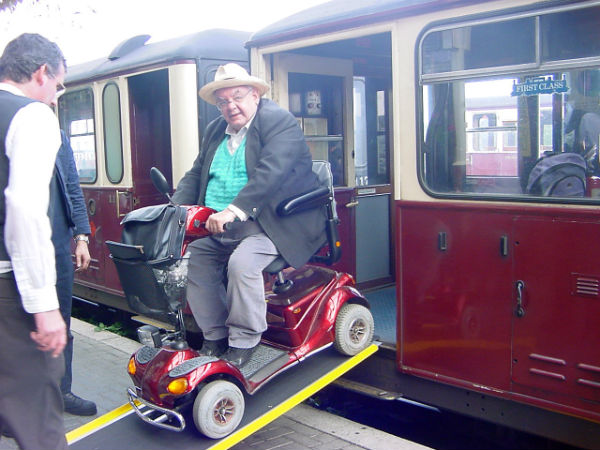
{"x": 100, "y": 422}
{"x": 252, "y": 427}
{"x": 296, "y": 399}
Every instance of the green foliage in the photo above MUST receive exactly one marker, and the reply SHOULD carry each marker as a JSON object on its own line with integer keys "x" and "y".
{"x": 105, "y": 319}
{"x": 116, "y": 328}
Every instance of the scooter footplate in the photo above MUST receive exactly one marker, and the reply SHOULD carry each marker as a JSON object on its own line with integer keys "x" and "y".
{"x": 262, "y": 356}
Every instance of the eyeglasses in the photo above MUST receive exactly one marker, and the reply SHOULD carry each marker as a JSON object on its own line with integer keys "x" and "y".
{"x": 237, "y": 99}
{"x": 60, "y": 88}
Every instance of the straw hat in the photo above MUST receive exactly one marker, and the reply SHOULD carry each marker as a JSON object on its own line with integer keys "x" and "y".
{"x": 230, "y": 75}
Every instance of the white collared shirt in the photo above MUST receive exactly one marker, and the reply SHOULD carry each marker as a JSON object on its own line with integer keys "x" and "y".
{"x": 234, "y": 141}
{"x": 32, "y": 142}
{"x": 236, "y": 137}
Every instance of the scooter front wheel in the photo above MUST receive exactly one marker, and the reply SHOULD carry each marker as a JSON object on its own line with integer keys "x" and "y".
{"x": 218, "y": 409}
{"x": 354, "y": 329}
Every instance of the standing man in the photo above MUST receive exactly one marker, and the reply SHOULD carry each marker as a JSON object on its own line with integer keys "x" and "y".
{"x": 251, "y": 159}
{"x": 69, "y": 220}
{"x": 32, "y": 331}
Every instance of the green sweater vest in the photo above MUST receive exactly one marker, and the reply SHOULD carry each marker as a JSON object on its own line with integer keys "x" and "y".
{"x": 227, "y": 176}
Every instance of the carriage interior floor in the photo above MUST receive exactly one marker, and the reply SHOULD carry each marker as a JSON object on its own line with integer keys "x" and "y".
{"x": 383, "y": 308}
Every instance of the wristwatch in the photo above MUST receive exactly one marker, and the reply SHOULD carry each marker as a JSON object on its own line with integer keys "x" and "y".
{"x": 82, "y": 237}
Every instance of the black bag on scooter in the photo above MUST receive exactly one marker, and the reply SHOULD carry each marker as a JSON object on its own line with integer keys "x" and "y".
{"x": 158, "y": 229}
{"x": 149, "y": 262}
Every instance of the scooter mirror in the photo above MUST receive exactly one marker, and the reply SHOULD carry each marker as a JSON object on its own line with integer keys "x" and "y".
{"x": 160, "y": 182}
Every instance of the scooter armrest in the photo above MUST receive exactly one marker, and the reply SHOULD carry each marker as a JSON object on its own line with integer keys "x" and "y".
{"x": 303, "y": 202}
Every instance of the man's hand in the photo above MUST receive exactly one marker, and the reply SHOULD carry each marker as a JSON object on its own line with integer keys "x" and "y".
{"x": 217, "y": 221}
{"x": 82, "y": 256}
{"x": 51, "y": 332}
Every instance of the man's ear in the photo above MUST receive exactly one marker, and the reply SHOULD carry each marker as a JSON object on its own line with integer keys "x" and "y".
{"x": 40, "y": 76}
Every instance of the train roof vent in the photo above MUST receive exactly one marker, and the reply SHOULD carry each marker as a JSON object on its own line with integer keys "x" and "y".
{"x": 128, "y": 45}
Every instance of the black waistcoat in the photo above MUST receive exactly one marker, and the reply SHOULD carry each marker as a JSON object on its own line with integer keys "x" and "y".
{"x": 9, "y": 105}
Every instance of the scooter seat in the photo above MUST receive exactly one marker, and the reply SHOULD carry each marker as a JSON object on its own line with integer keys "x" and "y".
{"x": 276, "y": 266}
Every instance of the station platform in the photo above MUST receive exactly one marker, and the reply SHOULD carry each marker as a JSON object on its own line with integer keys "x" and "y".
{"x": 99, "y": 374}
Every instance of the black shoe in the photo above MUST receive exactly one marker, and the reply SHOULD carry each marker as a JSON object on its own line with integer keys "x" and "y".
{"x": 78, "y": 406}
{"x": 214, "y": 348}
{"x": 239, "y": 356}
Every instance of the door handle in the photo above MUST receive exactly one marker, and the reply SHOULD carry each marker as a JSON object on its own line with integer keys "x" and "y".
{"x": 352, "y": 204}
{"x": 520, "y": 311}
{"x": 504, "y": 245}
{"x": 118, "y": 202}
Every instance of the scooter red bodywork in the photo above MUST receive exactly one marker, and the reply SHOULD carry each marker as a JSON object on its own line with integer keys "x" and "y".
{"x": 308, "y": 310}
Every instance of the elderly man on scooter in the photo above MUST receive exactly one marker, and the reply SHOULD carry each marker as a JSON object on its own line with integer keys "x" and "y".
{"x": 251, "y": 159}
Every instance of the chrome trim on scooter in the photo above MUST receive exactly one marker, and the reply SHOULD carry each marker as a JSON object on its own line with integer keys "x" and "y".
{"x": 144, "y": 409}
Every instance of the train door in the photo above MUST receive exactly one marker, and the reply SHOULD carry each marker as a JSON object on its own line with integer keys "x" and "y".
{"x": 318, "y": 91}
{"x": 77, "y": 112}
{"x": 525, "y": 252}
{"x": 148, "y": 132}
{"x": 150, "y": 125}
{"x": 339, "y": 92}
{"x": 118, "y": 129}
{"x": 556, "y": 295}
{"x": 372, "y": 179}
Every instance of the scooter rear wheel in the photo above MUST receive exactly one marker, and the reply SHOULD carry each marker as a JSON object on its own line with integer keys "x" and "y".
{"x": 218, "y": 409}
{"x": 354, "y": 329}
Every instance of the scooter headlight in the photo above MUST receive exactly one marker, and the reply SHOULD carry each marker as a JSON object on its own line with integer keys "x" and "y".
{"x": 149, "y": 335}
{"x": 178, "y": 386}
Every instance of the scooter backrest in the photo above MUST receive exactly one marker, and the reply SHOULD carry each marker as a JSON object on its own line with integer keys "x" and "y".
{"x": 323, "y": 171}
{"x": 322, "y": 196}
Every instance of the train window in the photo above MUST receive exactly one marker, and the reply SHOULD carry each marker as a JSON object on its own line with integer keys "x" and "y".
{"x": 76, "y": 116}
{"x": 479, "y": 46}
{"x": 211, "y": 112}
{"x": 111, "y": 107}
{"x": 371, "y": 151}
{"x": 382, "y": 174}
{"x": 518, "y": 133}
{"x": 316, "y": 101}
{"x": 484, "y": 138}
{"x": 571, "y": 34}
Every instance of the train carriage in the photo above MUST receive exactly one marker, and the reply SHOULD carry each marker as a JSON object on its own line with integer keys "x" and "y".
{"x": 135, "y": 109}
{"x": 464, "y": 139}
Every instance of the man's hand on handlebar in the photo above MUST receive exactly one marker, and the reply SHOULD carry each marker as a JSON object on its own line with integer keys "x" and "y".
{"x": 216, "y": 222}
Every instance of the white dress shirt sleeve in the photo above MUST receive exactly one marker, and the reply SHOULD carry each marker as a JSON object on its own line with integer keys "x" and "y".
{"x": 238, "y": 212}
{"x": 32, "y": 142}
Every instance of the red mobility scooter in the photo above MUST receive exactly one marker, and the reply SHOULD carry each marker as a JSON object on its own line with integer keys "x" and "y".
{"x": 308, "y": 310}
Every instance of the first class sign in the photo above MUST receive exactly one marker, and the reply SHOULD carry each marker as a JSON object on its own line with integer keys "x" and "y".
{"x": 539, "y": 85}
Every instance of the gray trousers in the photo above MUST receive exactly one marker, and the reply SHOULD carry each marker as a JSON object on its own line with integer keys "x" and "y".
{"x": 31, "y": 404}
{"x": 238, "y": 311}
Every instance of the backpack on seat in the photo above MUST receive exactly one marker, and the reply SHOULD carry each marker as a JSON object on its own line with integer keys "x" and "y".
{"x": 558, "y": 175}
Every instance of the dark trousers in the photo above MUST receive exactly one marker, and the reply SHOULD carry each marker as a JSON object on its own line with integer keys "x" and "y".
{"x": 64, "y": 291}
{"x": 62, "y": 239}
{"x": 237, "y": 312}
{"x": 31, "y": 405}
